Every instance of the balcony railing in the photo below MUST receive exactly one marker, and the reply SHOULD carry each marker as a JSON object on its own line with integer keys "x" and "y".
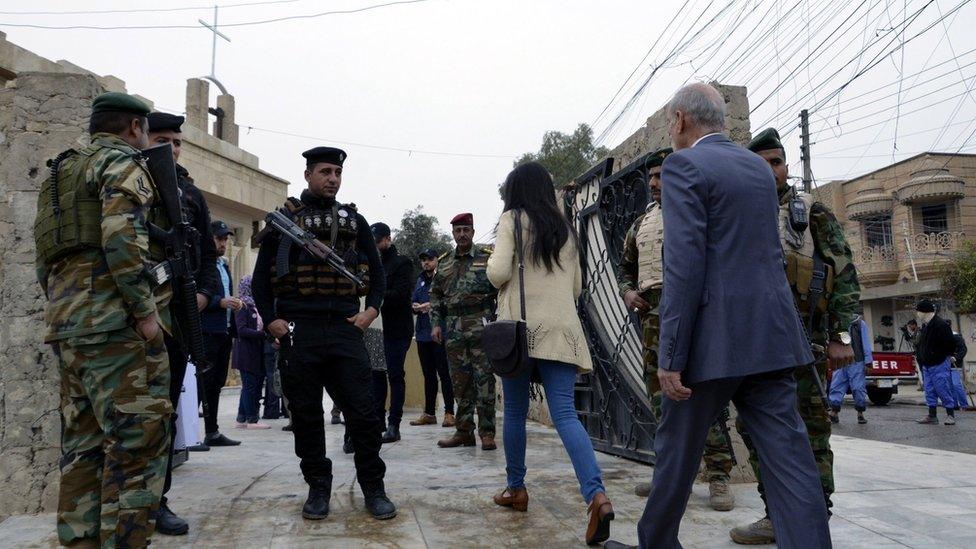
{"x": 871, "y": 255}
{"x": 946, "y": 241}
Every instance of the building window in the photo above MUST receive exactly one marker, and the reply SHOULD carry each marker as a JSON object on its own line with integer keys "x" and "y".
{"x": 935, "y": 218}
{"x": 877, "y": 231}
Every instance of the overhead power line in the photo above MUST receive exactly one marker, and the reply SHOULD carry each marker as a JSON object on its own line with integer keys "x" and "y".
{"x": 222, "y": 25}
{"x": 380, "y": 147}
{"x": 150, "y": 10}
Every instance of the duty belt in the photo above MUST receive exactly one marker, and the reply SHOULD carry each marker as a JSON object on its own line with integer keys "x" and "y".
{"x": 465, "y": 310}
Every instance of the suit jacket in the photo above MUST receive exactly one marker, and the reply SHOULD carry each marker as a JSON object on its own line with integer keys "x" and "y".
{"x": 213, "y": 318}
{"x": 727, "y": 309}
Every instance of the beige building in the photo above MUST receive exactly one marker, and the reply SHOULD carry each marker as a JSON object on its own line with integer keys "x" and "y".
{"x": 44, "y": 109}
{"x": 902, "y": 221}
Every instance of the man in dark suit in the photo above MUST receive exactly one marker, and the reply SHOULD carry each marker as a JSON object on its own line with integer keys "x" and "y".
{"x": 729, "y": 329}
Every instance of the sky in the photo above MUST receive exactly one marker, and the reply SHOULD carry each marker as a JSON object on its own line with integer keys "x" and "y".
{"x": 486, "y": 80}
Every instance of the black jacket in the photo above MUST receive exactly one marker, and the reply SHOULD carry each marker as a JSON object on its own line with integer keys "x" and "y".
{"x": 198, "y": 216}
{"x": 961, "y": 350}
{"x": 935, "y": 343}
{"x": 397, "y": 310}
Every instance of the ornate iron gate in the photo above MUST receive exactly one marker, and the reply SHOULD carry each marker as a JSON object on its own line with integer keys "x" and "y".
{"x": 611, "y": 401}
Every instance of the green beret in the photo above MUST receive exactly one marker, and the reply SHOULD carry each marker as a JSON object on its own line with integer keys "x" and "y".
{"x": 765, "y": 140}
{"x": 657, "y": 157}
{"x": 123, "y": 102}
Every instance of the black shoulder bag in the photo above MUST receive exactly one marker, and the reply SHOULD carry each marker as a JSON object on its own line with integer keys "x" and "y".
{"x": 506, "y": 342}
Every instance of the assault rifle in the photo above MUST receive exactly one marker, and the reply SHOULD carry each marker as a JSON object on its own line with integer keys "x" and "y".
{"x": 816, "y": 291}
{"x": 181, "y": 258}
{"x": 313, "y": 246}
{"x": 723, "y": 422}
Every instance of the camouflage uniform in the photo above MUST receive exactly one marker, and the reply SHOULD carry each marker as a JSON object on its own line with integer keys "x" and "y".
{"x": 460, "y": 296}
{"x": 718, "y": 454}
{"x": 114, "y": 385}
{"x": 840, "y": 303}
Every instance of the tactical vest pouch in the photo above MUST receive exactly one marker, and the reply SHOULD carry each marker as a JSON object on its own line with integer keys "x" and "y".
{"x": 69, "y": 213}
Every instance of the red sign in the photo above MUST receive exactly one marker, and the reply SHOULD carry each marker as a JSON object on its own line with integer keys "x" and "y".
{"x": 888, "y": 364}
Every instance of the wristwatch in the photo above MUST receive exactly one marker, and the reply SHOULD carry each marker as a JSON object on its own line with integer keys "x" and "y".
{"x": 844, "y": 338}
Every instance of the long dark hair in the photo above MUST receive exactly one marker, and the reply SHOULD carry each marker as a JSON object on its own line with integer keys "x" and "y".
{"x": 529, "y": 188}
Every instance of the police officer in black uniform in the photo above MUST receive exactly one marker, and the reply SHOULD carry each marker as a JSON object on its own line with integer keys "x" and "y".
{"x": 165, "y": 128}
{"x": 314, "y": 312}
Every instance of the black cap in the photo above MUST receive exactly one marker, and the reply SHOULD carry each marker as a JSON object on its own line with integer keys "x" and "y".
{"x": 429, "y": 253}
{"x": 164, "y": 121}
{"x": 380, "y": 230}
{"x": 765, "y": 140}
{"x": 330, "y": 155}
{"x": 220, "y": 229}
{"x": 656, "y": 158}
{"x": 925, "y": 306}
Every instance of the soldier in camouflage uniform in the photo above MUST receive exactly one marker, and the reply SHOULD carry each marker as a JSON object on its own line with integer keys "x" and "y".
{"x": 105, "y": 322}
{"x": 639, "y": 278}
{"x": 460, "y": 297}
{"x": 832, "y": 316}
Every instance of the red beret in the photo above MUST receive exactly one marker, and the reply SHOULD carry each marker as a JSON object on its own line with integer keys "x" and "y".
{"x": 463, "y": 219}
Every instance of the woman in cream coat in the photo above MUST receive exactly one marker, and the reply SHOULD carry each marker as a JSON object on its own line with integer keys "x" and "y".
{"x": 557, "y": 344}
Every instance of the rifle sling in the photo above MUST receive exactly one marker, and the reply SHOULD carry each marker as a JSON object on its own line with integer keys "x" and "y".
{"x": 817, "y": 284}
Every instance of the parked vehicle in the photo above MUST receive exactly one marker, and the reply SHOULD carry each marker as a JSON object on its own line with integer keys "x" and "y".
{"x": 884, "y": 374}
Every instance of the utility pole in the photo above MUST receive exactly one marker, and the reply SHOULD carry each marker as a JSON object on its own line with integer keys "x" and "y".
{"x": 805, "y": 151}
{"x": 908, "y": 246}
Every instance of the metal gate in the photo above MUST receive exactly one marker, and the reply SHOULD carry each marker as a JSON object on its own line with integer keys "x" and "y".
{"x": 611, "y": 401}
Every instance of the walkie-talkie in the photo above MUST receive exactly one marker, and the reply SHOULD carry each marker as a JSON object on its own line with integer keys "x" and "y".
{"x": 799, "y": 216}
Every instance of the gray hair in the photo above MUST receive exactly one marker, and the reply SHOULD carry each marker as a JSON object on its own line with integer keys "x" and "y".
{"x": 702, "y": 103}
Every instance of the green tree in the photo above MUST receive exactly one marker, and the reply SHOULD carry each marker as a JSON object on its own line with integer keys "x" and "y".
{"x": 418, "y": 231}
{"x": 566, "y": 155}
{"x": 959, "y": 278}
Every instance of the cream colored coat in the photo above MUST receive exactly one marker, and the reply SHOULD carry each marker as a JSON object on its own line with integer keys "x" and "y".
{"x": 554, "y": 328}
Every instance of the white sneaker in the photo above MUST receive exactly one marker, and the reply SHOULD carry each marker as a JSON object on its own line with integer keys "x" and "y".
{"x": 258, "y": 425}
{"x": 239, "y": 425}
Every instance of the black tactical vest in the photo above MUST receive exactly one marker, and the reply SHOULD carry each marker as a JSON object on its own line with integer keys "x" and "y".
{"x": 295, "y": 273}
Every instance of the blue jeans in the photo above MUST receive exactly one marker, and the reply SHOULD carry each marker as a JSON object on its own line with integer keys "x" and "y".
{"x": 937, "y": 381}
{"x": 558, "y": 379}
{"x": 849, "y": 378}
{"x": 247, "y": 408}
{"x": 959, "y": 389}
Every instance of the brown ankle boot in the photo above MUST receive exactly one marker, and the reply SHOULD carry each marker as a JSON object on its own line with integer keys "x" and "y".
{"x": 425, "y": 419}
{"x": 459, "y": 438}
{"x": 449, "y": 420}
{"x": 601, "y": 513}
{"x": 516, "y": 498}
{"x": 488, "y": 442}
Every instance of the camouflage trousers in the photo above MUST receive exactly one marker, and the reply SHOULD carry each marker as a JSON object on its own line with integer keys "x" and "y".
{"x": 474, "y": 385}
{"x": 115, "y": 412}
{"x": 818, "y": 430}
{"x": 718, "y": 453}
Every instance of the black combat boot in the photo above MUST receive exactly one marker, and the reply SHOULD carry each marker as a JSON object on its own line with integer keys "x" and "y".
{"x": 319, "y": 492}
{"x": 392, "y": 433}
{"x": 168, "y": 524}
{"x": 377, "y": 503}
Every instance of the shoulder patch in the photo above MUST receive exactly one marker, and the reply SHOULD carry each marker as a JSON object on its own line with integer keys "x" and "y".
{"x": 142, "y": 188}
{"x": 352, "y": 206}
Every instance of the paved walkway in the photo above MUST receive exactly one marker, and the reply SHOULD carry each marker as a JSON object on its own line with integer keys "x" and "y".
{"x": 251, "y": 496}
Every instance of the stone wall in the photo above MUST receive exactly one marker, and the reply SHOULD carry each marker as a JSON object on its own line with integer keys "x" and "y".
{"x": 654, "y": 134}
{"x": 41, "y": 114}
